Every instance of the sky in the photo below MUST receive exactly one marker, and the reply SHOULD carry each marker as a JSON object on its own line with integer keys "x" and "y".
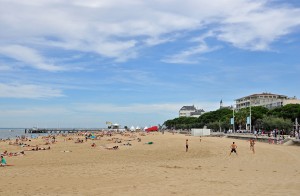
{"x": 81, "y": 63}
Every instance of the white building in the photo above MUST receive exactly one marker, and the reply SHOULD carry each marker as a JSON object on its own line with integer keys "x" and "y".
{"x": 190, "y": 111}
{"x": 267, "y": 100}
{"x": 200, "y": 132}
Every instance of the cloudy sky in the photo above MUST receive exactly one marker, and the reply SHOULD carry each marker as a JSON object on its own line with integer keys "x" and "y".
{"x": 81, "y": 63}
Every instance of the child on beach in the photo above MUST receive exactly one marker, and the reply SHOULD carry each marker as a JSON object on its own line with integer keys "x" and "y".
{"x": 3, "y": 161}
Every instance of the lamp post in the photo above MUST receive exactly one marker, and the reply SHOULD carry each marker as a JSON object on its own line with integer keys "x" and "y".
{"x": 233, "y": 128}
{"x": 250, "y": 117}
{"x": 232, "y": 119}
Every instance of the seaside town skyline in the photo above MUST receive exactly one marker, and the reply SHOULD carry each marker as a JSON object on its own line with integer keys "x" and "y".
{"x": 83, "y": 63}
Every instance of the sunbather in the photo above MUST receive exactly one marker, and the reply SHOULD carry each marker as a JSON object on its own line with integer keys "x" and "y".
{"x": 112, "y": 148}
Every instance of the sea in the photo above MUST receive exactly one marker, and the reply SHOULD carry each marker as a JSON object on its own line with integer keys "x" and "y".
{"x": 13, "y": 133}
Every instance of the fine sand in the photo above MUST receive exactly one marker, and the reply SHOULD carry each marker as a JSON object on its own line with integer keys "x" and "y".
{"x": 163, "y": 168}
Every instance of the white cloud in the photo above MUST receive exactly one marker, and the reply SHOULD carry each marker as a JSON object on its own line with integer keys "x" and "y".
{"x": 153, "y": 41}
{"x": 142, "y": 108}
{"x": 93, "y": 114}
{"x": 28, "y": 56}
{"x": 188, "y": 56}
{"x": 257, "y": 29}
{"x": 5, "y": 67}
{"x": 34, "y": 111}
{"x": 28, "y": 91}
{"x": 117, "y": 29}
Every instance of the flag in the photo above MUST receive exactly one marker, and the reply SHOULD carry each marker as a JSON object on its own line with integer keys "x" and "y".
{"x": 248, "y": 120}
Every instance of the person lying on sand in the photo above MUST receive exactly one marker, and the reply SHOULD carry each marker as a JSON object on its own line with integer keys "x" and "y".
{"x": 5, "y": 153}
{"x": 16, "y": 153}
{"x": 93, "y": 145}
{"x": 45, "y": 148}
{"x": 112, "y": 148}
{"x": 149, "y": 143}
{"x": 33, "y": 149}
{"x": 79, "y": 141}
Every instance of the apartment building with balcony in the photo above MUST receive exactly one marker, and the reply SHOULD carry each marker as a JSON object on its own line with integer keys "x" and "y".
{"x": 267, "y": 100}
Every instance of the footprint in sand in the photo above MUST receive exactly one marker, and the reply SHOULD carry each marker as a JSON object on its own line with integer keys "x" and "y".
{"x": 199, "y": 167}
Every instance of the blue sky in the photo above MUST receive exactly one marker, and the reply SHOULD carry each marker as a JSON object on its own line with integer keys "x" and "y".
{"x": 81, "y": 63}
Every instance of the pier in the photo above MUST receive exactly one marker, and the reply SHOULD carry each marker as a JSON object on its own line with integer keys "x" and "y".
{"x": 56, "y": 131}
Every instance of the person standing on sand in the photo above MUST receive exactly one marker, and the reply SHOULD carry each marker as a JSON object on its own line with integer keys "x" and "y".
{"x": 252, "y": 142}
{"x": 186, "y": 145}
{"x": 3, "y": 161}
{"x": 233, "y": 147}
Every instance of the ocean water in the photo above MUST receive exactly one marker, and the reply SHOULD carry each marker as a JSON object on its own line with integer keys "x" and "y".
{"x": 13, "y": 133}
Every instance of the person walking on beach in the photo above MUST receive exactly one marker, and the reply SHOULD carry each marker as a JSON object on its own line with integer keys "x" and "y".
{"x": 252, "y": 142}
{"x": 233, "y": 147}
{"x": 186, "y": 145}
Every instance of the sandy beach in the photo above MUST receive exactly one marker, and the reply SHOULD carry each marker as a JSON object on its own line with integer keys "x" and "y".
{"x": 162, "y": 168}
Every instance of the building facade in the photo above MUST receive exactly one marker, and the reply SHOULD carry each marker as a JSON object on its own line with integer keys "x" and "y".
{"x": 190, "y": 111}
{"x": 222, "y": 106}
{"x": 267, "y": 100}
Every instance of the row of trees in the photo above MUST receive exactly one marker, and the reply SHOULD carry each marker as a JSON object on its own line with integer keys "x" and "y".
{"x": 261, "y": 119}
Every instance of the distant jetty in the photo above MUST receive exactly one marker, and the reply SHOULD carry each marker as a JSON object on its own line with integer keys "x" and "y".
{"x": 55, "y": 131}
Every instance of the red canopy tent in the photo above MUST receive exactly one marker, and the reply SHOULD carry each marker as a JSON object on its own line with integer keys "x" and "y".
{"x": 154, "y": 128}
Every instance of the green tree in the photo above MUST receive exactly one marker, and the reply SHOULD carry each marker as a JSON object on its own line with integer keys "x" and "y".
{"x": 270, "y": 123}
{"x": 289, "y": 111}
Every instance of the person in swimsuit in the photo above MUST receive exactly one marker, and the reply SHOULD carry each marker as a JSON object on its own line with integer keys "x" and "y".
{"x": 233, "y": 147}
